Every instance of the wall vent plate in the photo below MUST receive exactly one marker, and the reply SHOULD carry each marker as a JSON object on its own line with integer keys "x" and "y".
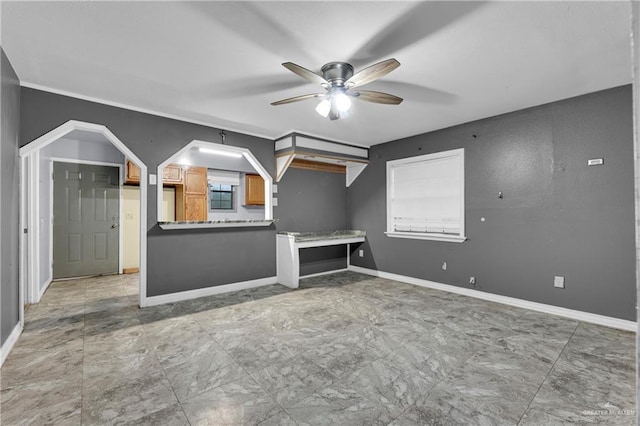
{"x": 596, "y": 162}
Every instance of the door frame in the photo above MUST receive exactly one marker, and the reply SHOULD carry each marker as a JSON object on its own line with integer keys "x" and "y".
{"x": 120, "y": 207}
{"x": 29, "y": 156}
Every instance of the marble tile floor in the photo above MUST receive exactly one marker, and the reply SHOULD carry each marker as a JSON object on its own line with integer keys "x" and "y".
{"x": 344, "y": 349}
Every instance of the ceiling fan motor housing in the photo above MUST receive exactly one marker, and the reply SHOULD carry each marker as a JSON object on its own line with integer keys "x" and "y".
{"x": 337, "y": 73}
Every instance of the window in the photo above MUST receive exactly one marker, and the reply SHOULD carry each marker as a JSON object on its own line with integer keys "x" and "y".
{"x": 425, "y": 197}
{"x": 220, "y": 196}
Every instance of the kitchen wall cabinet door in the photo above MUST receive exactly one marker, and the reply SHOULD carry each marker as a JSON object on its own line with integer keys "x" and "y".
{"x": 172, "y": 174}
{"x": 195, "y": 207}
{"x": 132, "y": 174}
{"x": 191, "y": 196}
{"x": 254, "y": 190}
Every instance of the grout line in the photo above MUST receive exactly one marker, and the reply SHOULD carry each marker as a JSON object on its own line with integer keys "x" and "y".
{"x": 548, "y": 373}
{"x": 246, "y": 371}
{"x": 164, "y": 371}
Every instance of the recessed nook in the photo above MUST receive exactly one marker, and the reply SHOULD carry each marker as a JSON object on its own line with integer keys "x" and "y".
{"x": 206, "y": 169}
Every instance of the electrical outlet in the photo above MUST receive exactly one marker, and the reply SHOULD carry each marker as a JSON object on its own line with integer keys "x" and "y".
{"x": 472, "y": 281}
{"x": 361, "y": 253}
{"x": 558, "y": 281}
{"x": 444, "y": 266}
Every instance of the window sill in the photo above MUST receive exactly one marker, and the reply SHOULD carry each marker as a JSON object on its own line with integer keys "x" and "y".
{"x": 214, "y": 224}
{"x": 432, "y": 237}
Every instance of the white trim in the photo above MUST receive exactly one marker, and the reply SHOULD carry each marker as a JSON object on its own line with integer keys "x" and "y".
{"x": 246, "y": 153}
{"x": 209, "y": 291}
{"x": 426, "y": 236}
{"x": 10, "y": 342}
{"x": 34, "y": 235}
{"x": 282, "y": 164}
{"x": 313, "y": 135}
{"x": 50, "y": 232}
{"x": 353, "y": 171}
{"x": 319, "y": 274}
{"x": 327, "y": 242}
{"x": 506, "y": 300}
{"x": 284, "y": 143}
{"x": 23, "y": 242}
{"x": 142, "y": 110}
{"x": 120, "y": 205}
{"x": 335, "y": 147}
{"x": 88, "y": 162}
{"x": 31, "y": 151}
{"x": 43, "y": 289}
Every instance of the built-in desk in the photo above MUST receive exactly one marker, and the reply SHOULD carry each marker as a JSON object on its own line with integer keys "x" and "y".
{"x": 288, "y": 245}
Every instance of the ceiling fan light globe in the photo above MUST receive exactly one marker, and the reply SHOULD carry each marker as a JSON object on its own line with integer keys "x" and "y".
{"x": 342, "y": 102}
{"x": 323, "y": 108}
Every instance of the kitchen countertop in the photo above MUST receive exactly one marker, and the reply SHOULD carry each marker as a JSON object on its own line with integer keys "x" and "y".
{"x": 188, "y": 224}
{"x": 324, "y": 235}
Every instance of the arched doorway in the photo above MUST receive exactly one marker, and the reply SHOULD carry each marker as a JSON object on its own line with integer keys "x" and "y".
{"x": 34, "y": 260}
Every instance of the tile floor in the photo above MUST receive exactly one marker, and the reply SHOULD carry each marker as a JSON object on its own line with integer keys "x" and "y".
{"x": 344, "y": 349}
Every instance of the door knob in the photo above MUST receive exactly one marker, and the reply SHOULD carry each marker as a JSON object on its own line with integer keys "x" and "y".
{"x": 115, "y": 225}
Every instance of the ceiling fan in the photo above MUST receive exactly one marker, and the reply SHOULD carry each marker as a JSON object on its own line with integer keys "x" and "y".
{"x": 341, "y": 84}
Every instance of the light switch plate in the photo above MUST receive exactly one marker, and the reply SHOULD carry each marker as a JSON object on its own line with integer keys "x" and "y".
{"x": 274, "y": 202}
{"x": 153, "y": 180}
{"x": 558, "y": 282}
{"x": 274, "y": 188}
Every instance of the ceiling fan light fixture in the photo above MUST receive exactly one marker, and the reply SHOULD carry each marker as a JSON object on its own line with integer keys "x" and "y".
{"x": 342, "y": 102}
{"x": 339, "y": 80}
{"x": 323, "y": 108}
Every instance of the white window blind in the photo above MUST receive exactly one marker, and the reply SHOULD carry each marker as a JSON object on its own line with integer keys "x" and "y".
{"x": 223, "y": 177}
{"x": 425, "y": 195}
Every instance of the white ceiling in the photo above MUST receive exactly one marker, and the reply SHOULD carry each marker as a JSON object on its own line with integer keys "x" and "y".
{"x": 219, "y": 63}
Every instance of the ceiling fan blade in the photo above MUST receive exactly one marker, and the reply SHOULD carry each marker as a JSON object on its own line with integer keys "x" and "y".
{"x": 297, "y": 99}
{"x": 372, "y": 73}
{"x": 377, "y": 97}
{"x": 306, "y": 74}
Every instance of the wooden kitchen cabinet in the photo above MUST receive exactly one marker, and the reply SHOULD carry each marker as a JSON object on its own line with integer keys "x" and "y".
{"x": 172, "y": 174}
{"x": 191, "y": 196}
{"x": 132, "y": 174}
{"x": 254, "y": 190}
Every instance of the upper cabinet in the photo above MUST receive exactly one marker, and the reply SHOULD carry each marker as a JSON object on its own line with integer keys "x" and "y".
{"x": 254, "y": 190}
{"x": 132, "y": 174}
{"x": 171, "y": 175}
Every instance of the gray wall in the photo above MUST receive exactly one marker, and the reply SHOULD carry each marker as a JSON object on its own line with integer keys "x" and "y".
{"x": 322, "y": 209}
{"x": 189, "y": 259}
{"x": 9, "y": 194}
{"x": 558, "y": 216}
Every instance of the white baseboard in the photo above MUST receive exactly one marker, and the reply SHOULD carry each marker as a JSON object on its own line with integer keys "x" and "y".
{"x": 318, "y": 274}
{"x": 534, "y": 306}
{"x": 43, "y": 289}
{"x": 208, "y": 291}
{"x": 8, "y": 344}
